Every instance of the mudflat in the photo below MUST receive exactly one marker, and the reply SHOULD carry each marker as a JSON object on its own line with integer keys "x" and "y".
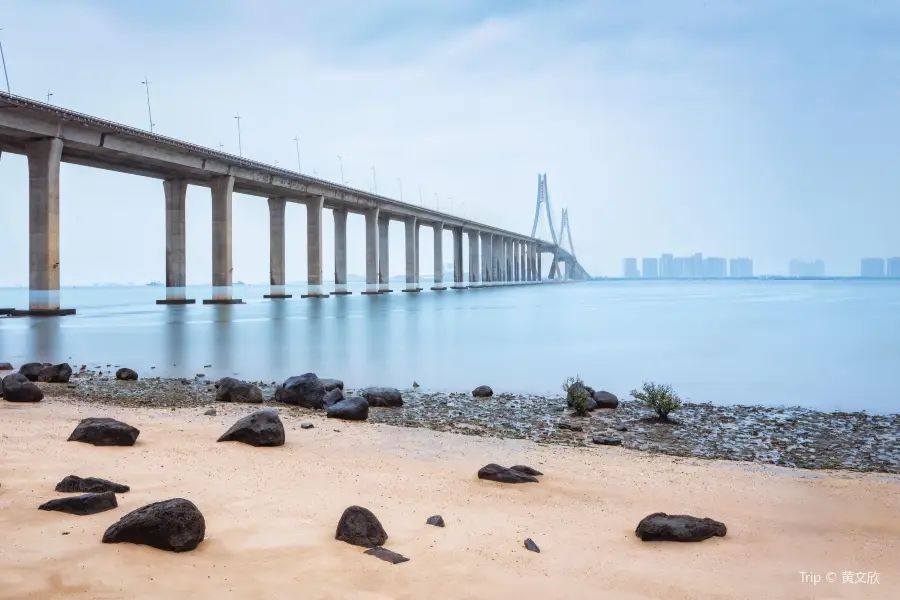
{"x": 271, "y": 515}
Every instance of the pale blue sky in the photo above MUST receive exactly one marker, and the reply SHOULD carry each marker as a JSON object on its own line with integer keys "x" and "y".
{"x": 762, "y": 128}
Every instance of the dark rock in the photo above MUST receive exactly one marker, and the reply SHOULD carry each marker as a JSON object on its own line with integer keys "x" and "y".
{"x": 605, "y": 399}
{"x": 382, "y": 397}
{"x": 229, "y": 389}
{"x": 306, "y": 425}
{"x": 607, "y": 441}
{"x": 621, "y": 428}
{"x": 125, "y": 374}
{"x": 31, "y": 370}
{"x": 526, "y": 469}
{"x": 386, "y": 555}
{"x": 483, "y": 391}
{"x": 332, "y": 384}
{"x": 5, "y": 366}
{"x": 569, "y": 426}
{"x": 93, "y": 485}
{"x": 677, "y": 528}
{"x": 176, "y": 525}
{"x": 55, "y": 373}
{"x": 352, "y": 408}
{"x": 262, "y": 428}
{"x": 436, "y": 520}
{"x": 303, "y": 390}
{"x": 333, "y": 397}
{"x": 104, "y": 432}
{"x": 358, "y": 526}
{"x": 210, "y": 413}
{"x": 494, "y": 472}
{"x": 86, "y": 504}
{"x": 17, "y": 388}
{"x": 530, "y": 545}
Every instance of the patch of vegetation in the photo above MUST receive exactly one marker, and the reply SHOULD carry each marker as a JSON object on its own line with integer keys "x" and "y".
{"x": 659, "y": 397}
{"x": 578, "y": 395}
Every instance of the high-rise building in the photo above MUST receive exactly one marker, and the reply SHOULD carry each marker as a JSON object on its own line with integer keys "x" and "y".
{"x": 871, "y": 267}
{"x": 677, "y": 267}
{"x": 893, "y": 267}
{"x": 799, "y": 268}
{"x": 629, "y": 268}
{"x": 650, "y": 268}
{"x": 740, "y": 267}
{"x": 714, "y": 267}
{"x": 667, "y": 266}
{"x": 698, "y": 264}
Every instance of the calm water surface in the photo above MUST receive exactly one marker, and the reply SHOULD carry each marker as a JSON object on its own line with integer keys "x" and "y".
{"x": 828, "y": 345}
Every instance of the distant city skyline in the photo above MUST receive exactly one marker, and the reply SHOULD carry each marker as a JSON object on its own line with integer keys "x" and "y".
{"x": 669, "y": 266}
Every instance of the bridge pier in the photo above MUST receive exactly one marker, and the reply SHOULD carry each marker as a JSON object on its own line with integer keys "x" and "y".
{"x": 485, "y": 258}
{"x": 340, "y": 253}
{"x": 540, "y": 272}
{"x": 371, "y": 252}
{"x": 314, "y": 208}
{"x": 517, "y": 259}
{"x": 412, "y": 253}
{"x": 384, "y": 276}
{"x": 438, "y": 257}
{"x": 276, "y": 249}
{"x": 474, "y": 243}
{"x": 175, "y": 191}
{"x": 222, "y": 188}
{"x": 44, "y": 157}
{"x": 458, "y": 259}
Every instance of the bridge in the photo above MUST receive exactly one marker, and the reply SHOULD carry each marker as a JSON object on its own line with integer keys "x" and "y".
{"x": 48, "y": 135}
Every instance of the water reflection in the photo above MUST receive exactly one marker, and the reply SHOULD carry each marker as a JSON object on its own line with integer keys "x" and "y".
{"x": 45, "y": 334}
{"x": 222, "y": 339}
{"x": 176, "y": 318}
{"x": 279, "y": 351}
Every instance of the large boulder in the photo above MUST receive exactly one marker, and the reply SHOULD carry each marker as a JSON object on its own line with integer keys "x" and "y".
{"x": 358, "y": 526}
{"x": 304, "y": 390}
{"x": 352, "y": 408}
{"x": 31, "y": 370}
{"x": 93, "y": 485}
{"x": 605, "y": 399}
{"x": 17, "y": 388}
{"x": 483, "y": 391}
{"x": 86, "y": 504}
{"x": 126, "y": 374}
{"x": 262, "y": 428}
{"x": 332, "y": 384}
{"x": 333, "y": 397}
{"x": 5, "y": 366}
{"x": 381, "y": 396}
{"x": 229, "y": 389}
{"x": 176, "y": 525}
{"x": 104, "y": 432}
{"x": 60, "y": 373}
{"x": 678, "y": 528}
{"x": 494, "y": 472}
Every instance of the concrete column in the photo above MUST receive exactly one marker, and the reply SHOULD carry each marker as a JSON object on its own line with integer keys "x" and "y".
{"x": 384, "y": 275}
{"x": 517, "y": 255}
{"x": 497, "y": 244}
{"x": 371, "y": 251}
{"x": 276, "y": 249}
{"x": 474, "y": 267}
{"x": 222, "y": 188}
{"x": 412, "y": 251}
{"x": 43, "y": 227}
{"x": 438, "y": 257}
{"x": 531, "y": 266}
{"x": 340, "y": 252}
{"x": 176, "y": 257}
{"x": 458, "y": 259}
{"x": 539, "y": 270}
{"x": 485, "y": 258}
{"x": 418, "y": 227}
{"x": 314, "y": 251}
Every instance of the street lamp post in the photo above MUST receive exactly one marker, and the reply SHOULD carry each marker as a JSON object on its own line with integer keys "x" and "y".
{"x": 3, "y": 59}
{"x": 240, "y": 148}
{"x": 297, "y": 145}
{"x": 49, "y": 93}
{"x": 147, "y": 83}
{"x": 341, "y": 160}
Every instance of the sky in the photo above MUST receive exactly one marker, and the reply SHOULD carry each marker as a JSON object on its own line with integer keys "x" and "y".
{"x": 763, "y": 128}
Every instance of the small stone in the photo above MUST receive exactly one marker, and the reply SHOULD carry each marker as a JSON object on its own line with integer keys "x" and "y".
{"x": 210, "y": 413}
{"x": 360, "y": 527}
{"x": 436, "y": 520}
{"x": 495, "y": 472}
{"x": 352, "y": 408}
{"x": 570, "y": 427}
{"x": 382, "y": 397}
{"x": 530, "y": 545}
{"x": 605, "y": 399}
{"x": 607, "y": 441}
{"x": 126, "y": 374}
{"x": 386, "y": 555}
{"x": 104, "y": 432}
{"x": 229, "y": 389}
{"x": 678, "y": 528}
{"x": 483, "y": 391}
{"x": 200, "y": 375}
{"x": 306, "y": 425}
{"x": 55, "y": 373}
{"x": 5, "y": 366}
{"x": 93, "y": 485}
{"x": 262, "y": 428}
{"x": 85, "y": 504}
{"x": 621, "y": 428}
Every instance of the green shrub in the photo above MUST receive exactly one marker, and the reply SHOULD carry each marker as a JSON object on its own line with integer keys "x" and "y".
{"x": 659, "y": 397}
{"x": 578, "y": 395}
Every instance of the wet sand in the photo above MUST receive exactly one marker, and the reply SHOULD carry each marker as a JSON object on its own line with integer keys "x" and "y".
{"x": 271, "y": 515}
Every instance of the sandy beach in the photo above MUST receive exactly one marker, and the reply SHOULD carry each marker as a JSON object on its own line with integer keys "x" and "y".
{"x": 271, "y": 516}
